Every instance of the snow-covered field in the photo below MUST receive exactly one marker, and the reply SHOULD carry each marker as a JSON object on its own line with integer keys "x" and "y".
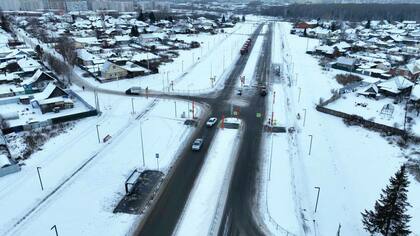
{"x": 350, "y": 164}
{"x": 83, "y": 204}
{"x": 211, "y": 186}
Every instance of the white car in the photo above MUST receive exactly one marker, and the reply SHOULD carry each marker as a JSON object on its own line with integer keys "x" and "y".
{"x": 212, "y": 121}
{"x": 196, "y": 146}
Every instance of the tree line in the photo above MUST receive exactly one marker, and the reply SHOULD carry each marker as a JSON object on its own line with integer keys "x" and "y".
{"x": 350, "y": 12}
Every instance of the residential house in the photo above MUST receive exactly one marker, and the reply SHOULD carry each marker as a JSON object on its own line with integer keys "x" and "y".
{"x": 395, "y": 86}
{"x": 52, "y": 99}
{"x": 111, "y": 71}
{"x": 38, "y": 82}
{"x": 345, "y": 63}
{"x": 134, "y": 70}
{"x": 86, "y": 58}
{"x": 28, "y": 66}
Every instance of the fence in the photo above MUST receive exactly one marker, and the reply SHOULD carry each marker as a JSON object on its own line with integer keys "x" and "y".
{"x": 355, "y": 119}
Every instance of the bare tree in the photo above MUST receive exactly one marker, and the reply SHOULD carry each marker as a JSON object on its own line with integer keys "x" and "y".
{"x": 67, "y": 48}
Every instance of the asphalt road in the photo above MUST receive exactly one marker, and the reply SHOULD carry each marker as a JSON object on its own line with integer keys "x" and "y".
{"x": 162, "y": 218}
{"x": 239, "y": 216}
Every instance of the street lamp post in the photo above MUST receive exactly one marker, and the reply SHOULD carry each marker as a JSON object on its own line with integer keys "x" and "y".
{"x": 317, "y": 197}
{"x": 157, "y": 160}
{"x": 97, "y": 132}
{"x": 132, "y": 105}
{"x": 40, "y": 180}
{"x": 310, "y": 144}
{"x": 142, "y": 145}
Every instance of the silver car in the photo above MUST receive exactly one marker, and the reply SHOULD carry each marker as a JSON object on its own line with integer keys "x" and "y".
{"x": 196, "y": 146}
{"x": 212, "y": 121}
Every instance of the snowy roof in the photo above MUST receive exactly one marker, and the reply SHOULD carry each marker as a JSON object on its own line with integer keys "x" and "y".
{"x": 46, "y": 93}
{"x": 325, "y": 49}
{"x": 342, "y": 45}
{"x": 87, "y": 56}
{"x": 131, "y": 67}
{"x": 144, "y": 56}
{"x": 346, "y": 61}
{"x": 414, "y": 67}
{"x": 372, "y": 89}
{"x": 4, "y": 160}
{"x": 396, "y": 84}
{"x": 35, "y": 77}
{"x": 28, "y": 64}
{"x": 54, "y": 100}
{"x": 415, "y": 93}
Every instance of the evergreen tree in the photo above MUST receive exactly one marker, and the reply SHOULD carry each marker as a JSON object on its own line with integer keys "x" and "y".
{"x": 223, "y": 19}
{"x": 140, "y": 16}
{"x": 389, "y": 216}
{"x": 243, "y": 17}
{"x": 134, "y": 31}
{"x": 152, "y": 17}
{"x": 367, "y": 25}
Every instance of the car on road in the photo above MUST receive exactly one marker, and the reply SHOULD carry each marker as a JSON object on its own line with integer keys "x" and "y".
{"x": 197, "y": 144}
{"x": 212, "y": 121}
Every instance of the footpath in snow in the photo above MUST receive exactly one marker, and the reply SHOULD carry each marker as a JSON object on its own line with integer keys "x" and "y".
{"x": 206, "y": 201}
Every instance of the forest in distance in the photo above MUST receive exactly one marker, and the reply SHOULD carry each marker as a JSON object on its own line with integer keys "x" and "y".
{"x": 349, "y": 12}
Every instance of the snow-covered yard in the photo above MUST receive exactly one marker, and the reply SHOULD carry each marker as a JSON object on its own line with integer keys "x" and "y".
{"x": 350, "y": 164}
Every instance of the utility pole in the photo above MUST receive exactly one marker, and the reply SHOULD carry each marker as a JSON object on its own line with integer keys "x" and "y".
{"x": 317, "y": 198}
{"x": 55, "y": 229}
{"x": 157, "y": 160}
{"x": 272, "y": 110}
{"x": 175, "y": 108}
{"x": 40, "y": 180}
{"x": 97, "y": 132}
{"x": 193, "y": 109}
{"x": 304, "y": 117}
{"x": 310, "y": 144}
{"x": 142, "y": 145}
{"x": 132, "y": 104}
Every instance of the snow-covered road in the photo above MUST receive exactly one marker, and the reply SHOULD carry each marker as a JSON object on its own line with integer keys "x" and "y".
{"x": 206, "y": 201}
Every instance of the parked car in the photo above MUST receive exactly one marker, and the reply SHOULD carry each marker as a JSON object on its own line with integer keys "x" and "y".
{"x": 212, "y": 121}
{"x": 197, "y": 144}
